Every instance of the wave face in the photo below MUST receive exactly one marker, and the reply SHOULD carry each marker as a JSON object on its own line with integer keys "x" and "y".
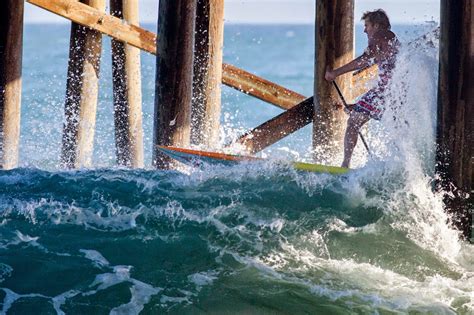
{"x": 253, "y": 238}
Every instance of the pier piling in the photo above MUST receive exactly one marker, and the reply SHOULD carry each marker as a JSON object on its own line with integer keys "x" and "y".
{"x": 334, "y": 32}
{"x": 127, "y": 90}
{"x": 11, "y": 45}
{"x": 455, "y": 127}
{"x": 82, "y": 92}
{"x": 174, "y": 76}
{"x": 208, "y": 44}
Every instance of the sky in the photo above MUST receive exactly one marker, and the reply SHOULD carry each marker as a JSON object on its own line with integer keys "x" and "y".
{"x": 279, "y": 11}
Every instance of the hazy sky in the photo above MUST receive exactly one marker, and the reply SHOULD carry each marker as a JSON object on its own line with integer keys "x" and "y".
{"x": 279, "y": 11}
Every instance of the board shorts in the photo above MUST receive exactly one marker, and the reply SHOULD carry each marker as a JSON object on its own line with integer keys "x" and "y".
{"x": 372, "y": 102}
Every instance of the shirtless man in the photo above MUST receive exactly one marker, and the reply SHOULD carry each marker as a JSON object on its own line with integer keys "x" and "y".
{"x": 382, "y": 50}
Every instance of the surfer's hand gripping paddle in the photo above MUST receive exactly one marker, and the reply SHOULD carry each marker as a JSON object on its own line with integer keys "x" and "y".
{"x": 348, "y": 110}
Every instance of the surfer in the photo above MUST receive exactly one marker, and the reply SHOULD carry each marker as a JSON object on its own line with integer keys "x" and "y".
{"x": 382, "y": 49}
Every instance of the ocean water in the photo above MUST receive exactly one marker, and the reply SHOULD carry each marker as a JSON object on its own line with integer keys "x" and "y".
{"x": 257, "y": 238}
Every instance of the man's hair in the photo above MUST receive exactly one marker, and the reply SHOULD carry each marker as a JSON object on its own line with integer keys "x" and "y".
{"x": 377, "y": 17}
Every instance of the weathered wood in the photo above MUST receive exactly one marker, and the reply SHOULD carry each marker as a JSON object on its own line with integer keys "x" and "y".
{"x": 98, "y": 20}
{"x": 455, "y": 129}
{"x": 11, "y": 44}
{"x": 260, "y": 88}
{"x": 278, "y": 127}
{"x": 82, "y": 92}
{"x": 127, "y": 90}
{"x": 208, "y": 43}
{"x": 232, "y": 76}
{"x": 334, "y": 47}
{"x": 174, "y": 64}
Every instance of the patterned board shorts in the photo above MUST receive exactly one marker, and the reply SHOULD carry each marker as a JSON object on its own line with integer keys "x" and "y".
{"x": 369, "y": 103}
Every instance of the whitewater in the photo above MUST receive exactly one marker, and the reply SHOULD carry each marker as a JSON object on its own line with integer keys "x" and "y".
{"x": 256, "y": 238}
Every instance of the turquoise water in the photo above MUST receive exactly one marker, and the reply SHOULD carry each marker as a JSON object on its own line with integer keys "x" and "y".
{"x": 257, "y": 238}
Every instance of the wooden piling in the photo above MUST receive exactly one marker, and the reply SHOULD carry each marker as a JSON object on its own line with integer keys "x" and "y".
{"x": 127, "y": 90}
{"x": 174, "y": 76}
{"x": 455, "y": 129}
{"x": 208, "y": 43}
{"x": 334, "y": 47}
{"x": 82, "y": 92}
{"x": 11, "y": 45}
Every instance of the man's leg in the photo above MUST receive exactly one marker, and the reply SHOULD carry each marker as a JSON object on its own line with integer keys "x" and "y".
{"x": 354, "y": 123}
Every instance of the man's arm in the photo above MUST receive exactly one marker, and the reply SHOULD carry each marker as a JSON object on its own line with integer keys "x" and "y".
{"x": 363, "y": 61}
{"x": 360, "y": 62}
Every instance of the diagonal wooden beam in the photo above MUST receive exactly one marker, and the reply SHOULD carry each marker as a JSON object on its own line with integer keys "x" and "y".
{"x": 100, "y": 21}
{"x": 118, "y": 29}
{"x": 278, "y": 127}
{"x": 260, "y": 88}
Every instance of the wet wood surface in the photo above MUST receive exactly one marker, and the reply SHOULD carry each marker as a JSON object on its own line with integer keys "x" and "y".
{"x": 11, "y": 46}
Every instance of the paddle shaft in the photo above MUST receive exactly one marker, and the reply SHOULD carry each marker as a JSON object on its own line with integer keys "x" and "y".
{"x": 347, "y": 107}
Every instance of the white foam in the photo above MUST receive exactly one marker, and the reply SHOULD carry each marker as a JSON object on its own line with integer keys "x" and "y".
{"x": 26, "y": 238}
{"x": 165, "y": 299}
{"x": 11, "y": 297}
{"x": 96, "y": 257}
{"x": 141, "y": 294}
{"x": 61, "y": 299}
{"x": 201, "y": 279}
{"x": 352, "y": 282}
{"x": 106, "y": 280}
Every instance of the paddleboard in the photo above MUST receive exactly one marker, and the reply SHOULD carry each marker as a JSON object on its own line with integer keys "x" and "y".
{"x": 196, "y": 158}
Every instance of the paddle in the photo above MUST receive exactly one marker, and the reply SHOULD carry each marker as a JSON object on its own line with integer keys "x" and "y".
{"x": 347, "y": 107}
